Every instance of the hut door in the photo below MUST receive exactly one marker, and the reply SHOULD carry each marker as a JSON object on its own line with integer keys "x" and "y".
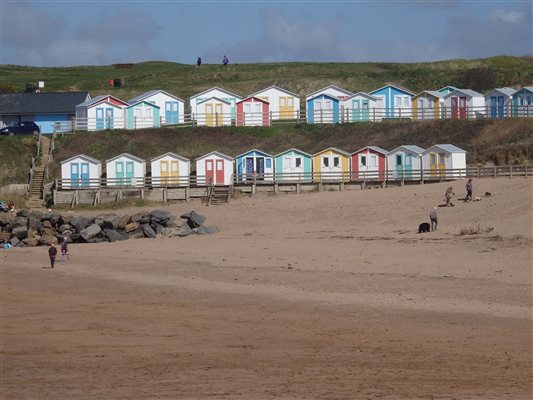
{"x": 286, "y": 104}
{"x": 462, "y": 107}
{"x": 219, "y": 114}
{"x": 171, "y": 112}
{"x": 249, "y": 166}
{"x": 219, "y": 174}
{"x": 365, "y": 110}
{"x": 260, "y": 166}
{"x": 433, "y": 164}
{"x": 493, "y": 103}
{"x": 408, "y": 165}
{"x": 209, "y": 115}
{"x": 454, "y": 104}
{"x": 174, "y": 171}
{"x": 130, "y": 172}
{"x": 209, "y": 172}
{"x": 399, "y": 165}
{"x": 84, "y": 169}
{"x": 442, "y": 164}
{"x": 356, "y": 110}
{"x": 163, "y": 171}
{"x": 500, "y": 106}
{"x": 74, "y": 174}
{"x": 109, "y": 121}
{"x": 99, "y": 118}
{"x": 119, "y": 172}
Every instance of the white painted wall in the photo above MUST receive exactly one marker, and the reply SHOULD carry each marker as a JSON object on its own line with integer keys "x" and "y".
{"x": 95, "y": 171}
{"x": 200, "y": 169}
{"x": 203, "y": 119}
{"x": 273, "y": 95}
{"x": 183, "y": 169}
{"x": 159, "y": 99}
{"x": 139, "y": 170}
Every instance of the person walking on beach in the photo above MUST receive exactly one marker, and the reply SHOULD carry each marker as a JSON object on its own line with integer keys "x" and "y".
{"x": 469, "y": 190}
{"x": 64, "y": 250}
{"x": 225, "y": 60}
{"x": 52, "y": 253}
{"x": 448, "y": 195}
{"x": 433, "y": 218}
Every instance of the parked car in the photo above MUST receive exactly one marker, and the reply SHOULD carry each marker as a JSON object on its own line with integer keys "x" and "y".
{"x": 21, "y": 128}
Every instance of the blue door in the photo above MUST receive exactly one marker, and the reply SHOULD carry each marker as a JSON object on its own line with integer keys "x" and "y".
{"x": 171, "y": 112}
{"x": 493, "y": 101}
{"x": 74, "y": 174}
{"x": 500, "y": 106}
{"x": 260, "y": 162}
{"x": 109, "y": 118}
{"x": 84, "y": 174}
{"x": 249, "y": 166}
{"x": 99, "y": 118}
{"x": 130, "y": 172}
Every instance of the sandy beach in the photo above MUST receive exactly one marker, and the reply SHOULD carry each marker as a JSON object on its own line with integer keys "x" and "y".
{"x": 330, "y": 295}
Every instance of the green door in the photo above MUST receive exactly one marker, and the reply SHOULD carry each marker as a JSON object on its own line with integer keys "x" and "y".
{"x": 408, "y": 165}
{"x": 129, "y": 172}
{"x": 119, "y": 172}
{"x": 365, "y": 110}
{"x": 399, "y": 165}
{"x": 356, "y": 110}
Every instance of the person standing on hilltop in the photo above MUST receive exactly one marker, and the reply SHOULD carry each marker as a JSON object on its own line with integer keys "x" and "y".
{"x": 199, "y": 61}
{"x": 225, "y": 60}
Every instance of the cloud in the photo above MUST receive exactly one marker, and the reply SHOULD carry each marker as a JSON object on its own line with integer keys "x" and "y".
{"x": 511, "y": 17}
{"x": 32, "y": 36}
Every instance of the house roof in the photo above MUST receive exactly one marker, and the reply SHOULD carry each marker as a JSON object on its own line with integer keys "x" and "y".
{"x": 277, "y": 88}
{"x": 221, "y": 155}
{"x": 395, "y": 87}
{"x": 524, "y": 89}
{"x": 41, "y": 103}
{"x": 507, "y": 91}
{"x": 254, "y": 150}
{"x": 450, "y": 148}
{"x": 90, "y": 159}
{"x": 312, "y": 95}
{"x": 329, "y": 96}
{"x": 253, "y": 97}
{"x": 127, "y": 155}
{"x": 374, "y": 148}
{"x": 295, "y": 150}
{"x": 216, "y": 88}
{"x": 335, "y": 149}
{"x": 150, "y": 93}
{"x": 468, "y": 92}
{"x": 433, "y": 93}
{"x": 215, "y": 98}
{"x": 143, "y": 101}
{"x": 98, "y": 99}
{"x": 412, "y": 148}
{"x": 174, "y": 155}
{"x": 446, "y": 88}
{"x": 362, "y": 94}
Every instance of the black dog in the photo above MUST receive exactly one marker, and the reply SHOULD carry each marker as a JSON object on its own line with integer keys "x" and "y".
{"x": 423, "y": 227}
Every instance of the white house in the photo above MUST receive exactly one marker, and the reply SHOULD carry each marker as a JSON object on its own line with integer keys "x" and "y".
{"x": 498, "y": 102}
{"x": 214, "y": 112}
{"x": 101, "y": 112}
{"x": 197, "y": 100}
{"x": 170, "y": 169}
{"x": 216, "y": 168}
{"x": 464, "y": 103}
{"x": 283, "y": 103}
{"x": 359, "y": 107}
{"x": 80, "y": 171}
{"x": 440, "y": 159}
{"x": 331, "y": 90}
{"x": 172, "y": 108}
{"x": 405, "y": 162}
{"x": 125, "y": 170}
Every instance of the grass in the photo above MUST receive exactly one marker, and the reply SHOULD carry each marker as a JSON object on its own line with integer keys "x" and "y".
{"x": 475, "y": 229}
{"x": 15, "y": 158}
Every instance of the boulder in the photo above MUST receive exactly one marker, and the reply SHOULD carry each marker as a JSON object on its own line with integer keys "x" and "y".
{"x": 149, "y": 232}
{"x": 138, "y": 216}
{"x": 32, "y": 232}
{"x": 80, "y": 223}
{"x": 114, "y": 235}
{"x": 47, "y": 240}
{"x": 131, "y": 227}
{"x": 47, "y": 224}
{"x": 6, "y": 218}
{"x": 168, "y": 232}
{"x": 97, "y": 240}
{"x": 157, "y": 227}
{"x": 47, "y": 231}
{"x": 195, "y": 220}
{"x": 160, "y": 216}
{"x": 34, "y": 223}
{"x": 5, "y": 236}
{"x": 183, "y": 230}
{"x": 20, "y": 232}
{"x": 122, "y": 221}
{"x": 31, "y": 242}
{"x": 74, "y": 237}
{"x": 24, "y": 213}
{"x": 185, "y": 215}
{"x": 19, "y": 221}
{"x": 54, "y": 217}
{"x": 137, "y": 233}
{"x": 206, "y": 230}
{"x": 63, "y": 228}
{"x": 145, "y": 219}
{"x": 111, "y": 221}
{"x": 14, "y": 241}
{"x": 90, "y": 232}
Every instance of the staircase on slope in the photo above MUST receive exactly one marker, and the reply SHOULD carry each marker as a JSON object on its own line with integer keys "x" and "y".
{"x": 36, "y": 192}
{"x": 220, "y": 194}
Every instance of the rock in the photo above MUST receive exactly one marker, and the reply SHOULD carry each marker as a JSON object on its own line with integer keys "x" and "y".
{"x": 63, "y": 228}
{"x": 54, "y": 217}
{"x": 111, "y": 221}
{"x": 160, "y": 216}
{"x": 20, "y": 232}
{"x": 47, "y": 231}
{"x": 168, "y": 232}
{"x": 97, "y": 240}
{"x": 34, "y": 223}
{"x": 14, "y": 241}
{"x": 131, "y": 227}
{"x": 145, "y": 219}
{"x": 206, "y": 230}
{"x": 114, "y": 235}
{"x": 47, "y": 240}
{"x": 80, "y": 223}
{"x": 90, "y": 232}
{"x": 74, "y": 237}
{"x": 122, "y": 221}
{"x": 157, "y": 227}
{"x": 137, "y": 233}
{"x": 19, "y": 221}
{"x": 47, "y": 224}
{"x": 5, "y": 236}
{"x": 24, "y": 213}
{"x": 195, "y": 220}
{"x": 149, "y": 232}
{"x": 185, "y": 216}
{"x": 31, "y": 242}
{"x": 183, "y": 230}
{"x": 32, "y": 232}
{"x": 138, "y": 216}
{"x": 6, "y": 218}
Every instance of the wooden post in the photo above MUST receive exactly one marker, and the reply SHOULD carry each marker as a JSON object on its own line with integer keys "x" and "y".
{"x": 164, "y": 195}
{"x": 186, "y": 193}
{"x": 494, "y": 172}
{"x": 341, "y": 186}
{"x": 275, "y": 188}
{"x": 510, "y": 171}
{"x": 478, "y": 172}
{"x": 298, "y": 187}
{"x": 253, "y": 189}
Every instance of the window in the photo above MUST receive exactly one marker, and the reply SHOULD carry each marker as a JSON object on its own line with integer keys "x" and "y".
{"x": 282, "y": 102}
{"x": 336, "y": 161}
{"x": 406, "y": 101}
{"x": 398, "y": 159}
{"x": 258, "y": 108}
{"x": 220, "y": 164}
{"x": 137, "y": 113}
{"x": 298, "y": 161}
{"x": 209, "y": 165}
{"x": 327, "y": 105}
{"x": 442, "y": 159}
{"x": 290, "y": 101}
{"x": 325, "y": 161}
{"x": 373, "y": 162}
{"x": 381, "y": 101}
{"x": 163, "y": 166}
{"x": 268, "y": 163}
{"x": 397, "y": 101}
{"x": 318, "y": 105}
{"x": 362, "y": 161}
{"x": 286, "y": 163}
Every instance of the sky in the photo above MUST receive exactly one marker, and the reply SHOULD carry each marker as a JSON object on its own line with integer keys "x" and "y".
{"x": 103, "y": 32}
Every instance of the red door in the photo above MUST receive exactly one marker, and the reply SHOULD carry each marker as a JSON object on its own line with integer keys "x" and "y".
{"x": 209, "y": 173}
{"x": 219, "y": 177}
{"x": 462, "y": 107}
{"x": 454, "y": 107}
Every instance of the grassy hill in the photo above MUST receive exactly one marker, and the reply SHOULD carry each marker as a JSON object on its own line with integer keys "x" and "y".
{"x": 302, "y": 78}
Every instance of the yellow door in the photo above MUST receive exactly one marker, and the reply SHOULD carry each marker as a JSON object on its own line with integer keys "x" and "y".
{"x": 163, "y": 172}
{"x": 209, "y": 115}
{"x": 286, "y": 107}
{"x": 432, "y": 164}
{"x": 219, "y": 114}
{"x": 174, "y": 172}
{"x": 442, "y": 164}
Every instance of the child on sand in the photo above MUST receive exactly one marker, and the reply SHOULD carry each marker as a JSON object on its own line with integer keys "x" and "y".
{"x": 64, "y": 249}
{"x": 52, "y": 253}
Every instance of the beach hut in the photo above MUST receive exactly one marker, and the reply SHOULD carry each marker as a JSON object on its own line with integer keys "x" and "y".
{"x": 170, "y": 169}
{"x": 283, "y": 103}
{"x": 142, "y": 115}
{"x": 80, "y": 171}
{"x": 369, "y": 163}
{"x": 213, "y": 112}
{"x": 393, "y": 102}
{"x": 447, "y": 89}
{"x": 523, "y": 102}
{"x": 101, "y": 112}
{"x": 358, "y": 107}
{"x": 172, "y": 108}
{"x": 125, "y": 170}
{"x": 214, "y": 168}
{"x": 498, "y": 102}
{"x": 427, "y": 105}
{"x": 255, "y": 165}
{"x": 293, "y": 165}
{"x": 331, "y": 164}
{"x": 404, "y": 162}
{"x": 440, "y": 159}
{"x": 323, "y": 109}
{"x": 464, "y": 103}
{"x": 198, "y": 101}
{"x": 331, "y": 90}
{"x": 253, "y": 111}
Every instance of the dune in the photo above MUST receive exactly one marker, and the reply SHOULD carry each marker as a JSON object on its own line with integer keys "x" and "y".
{"x": 330, "y": 295}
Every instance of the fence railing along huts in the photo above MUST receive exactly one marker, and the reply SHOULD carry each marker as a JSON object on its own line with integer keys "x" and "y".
{"x": 322, "y": 116}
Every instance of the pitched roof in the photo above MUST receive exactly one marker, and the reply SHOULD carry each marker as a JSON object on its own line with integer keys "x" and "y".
{"x": 409, "y": 147}
{"x": 143, "y": 101}
{"x": 336, "y": 149}
{"x": 253, "y": 97}
{"x": 277, "y": 88}
{"x": 450, "y": 148}
{"x": 127, "y": 155}
{"x": 347, "y": 92}
{"x": 374, "y": 148}
{"x": 98, "y": 99}
{"x": 216, "y": 88}
{"x": 362, "y": 94}
{"x": 255, "y": 150}
{"x": 41, "y": 103}
{"x": 468, "y": 92}
{"x": 150, "y": 93}
{"x": 214, "y": 98}
{"x": 446, "y": 88}
{"x": 174, "y": 155}
{"x": 433, "y": 93}
{"x": 507, "y": 91}
{"x": 401, "y": 89}
{"x": 295, "y": 150}
{"x": 221, "y": 155}
{"x": 93, "y": 160}
{"x": 329, "y": 96}
{"x": 524, "y": 89}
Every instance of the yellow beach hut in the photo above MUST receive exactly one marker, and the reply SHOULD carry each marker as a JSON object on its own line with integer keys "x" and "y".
{"x": 331, "y": 164}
